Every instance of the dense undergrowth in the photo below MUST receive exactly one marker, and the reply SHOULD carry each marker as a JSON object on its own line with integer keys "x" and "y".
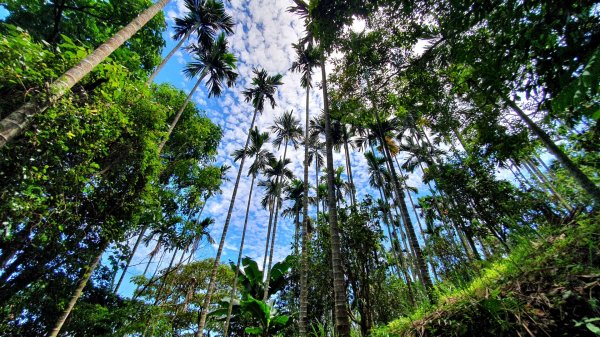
{"x": 549, "y": 286}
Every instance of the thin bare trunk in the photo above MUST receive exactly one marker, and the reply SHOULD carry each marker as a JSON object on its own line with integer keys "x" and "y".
{"x": 277, "y": 205}
{"x": 339, "y": 286}
{"x": 14, "y": 124}
{"x": 269, "y": 227}
{"x": 135, "y": 247}
{"x": 213, "y": 276}
{"x": 548, "y": 184}
{"x": 583, "y": 180}
{"x": 168, "y": 57}
{"x": 78, "y": 291}
{"x": 239, "y": 262}
{"x": 302, "y": 323}
{"x": 178, "y": 116}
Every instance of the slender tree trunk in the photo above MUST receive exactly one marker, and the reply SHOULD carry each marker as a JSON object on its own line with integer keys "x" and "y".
{"x": 213, "y": 276}
{"x": 349, "y": 171}
{"x": 302, "y": 322}
{"x": 135, "y": 247}
{"x": 583, "y": 180}
{"x": 15, "y": 123}
{"x": 78, "y": 291}
{"x": 401, "y": 202}
{"x": 178, "y": 116}
{"x": 317, "y": 185}
{"x": 168, "y": 57}
{"x": 239, "y": 262}
{"x": 164, "y": 281}
{"x": 548, "y": 184}
{"x": 277, "y": 205}
{"x": 339, "y": 287}
{"x": 269, "y": 227}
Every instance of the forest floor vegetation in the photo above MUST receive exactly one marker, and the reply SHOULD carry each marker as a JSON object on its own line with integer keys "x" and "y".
{"x": 549, "y": 286}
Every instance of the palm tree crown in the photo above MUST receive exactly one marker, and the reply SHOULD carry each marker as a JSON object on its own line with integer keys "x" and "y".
{"x": 216, "y": 62}
{"x": 264, "y": 87}
{"x": 287, "y": 129}
{"x": 262, "y": 157}
{"x": 206, "y": 18}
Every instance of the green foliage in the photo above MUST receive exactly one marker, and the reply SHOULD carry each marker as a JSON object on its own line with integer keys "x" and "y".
{"x": 517, "y": 293}
{"x": 91, "y": 23}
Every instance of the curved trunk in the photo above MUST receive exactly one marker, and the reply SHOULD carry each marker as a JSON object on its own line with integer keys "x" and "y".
{"x": 15, "y": 123}
{"x": 213, "y": 275}
{"x": 168, "y": 57}
{"x": 302, "y": 323}
{"x": 277, "y": 206}
{"x": 239, "y": 261}
{"x": 583, "y": 180}
{"x": 339, "y": 287}
{"x": 78, "y": 291}
{"x": 178, "y": 116}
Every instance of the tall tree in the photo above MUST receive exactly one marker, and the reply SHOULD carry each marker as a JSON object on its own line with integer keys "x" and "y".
{"x": 215, "y": 64}
{"x": 16, "y": 122}
{"x": 263, "y": 89}
{"x": 287, "y": 130}
{"x": 262, "y": 157}
{"x": 306, "y": 60}
{"x": 205, "y": 18}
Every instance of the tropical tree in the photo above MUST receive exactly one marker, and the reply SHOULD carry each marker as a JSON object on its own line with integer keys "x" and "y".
{"x": 213, "y": 63}
{"x": 306, "y": 60}
{"x": 287, "y": 130}
{"x": 262, "y": 157}
{"x": 16, "y": 122}
{"x": 264, "y": 88}
{"x": 205, "y": 18}
{"x": 277, "y": 175}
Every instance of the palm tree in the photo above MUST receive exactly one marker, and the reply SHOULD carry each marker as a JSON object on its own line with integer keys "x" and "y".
{"x": 278, "y": 174}
{"x": 216, "y": 65}
{"x": 306, "y": 60}
{"x": 294, "y": 192}
{"x": 385, "y": 141}
{"x": 16, "y": 122}
{"x": 262, "y": 157}
{"x": 308, "y": 11}
{"x": 205, "y": 18}
{"x": 287, "y": 130}
{"x": 264, "y": 88}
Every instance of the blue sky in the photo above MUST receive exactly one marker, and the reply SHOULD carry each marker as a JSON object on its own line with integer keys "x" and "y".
{"x": 263, "y": 37}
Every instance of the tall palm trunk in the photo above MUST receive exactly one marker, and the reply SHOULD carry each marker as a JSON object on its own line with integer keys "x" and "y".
{"x": 239, "y": 261}
{"x": 401, "y": 202}
{"x": 213, "y": 275}
{"x": 317, "y": 186}
{"x": 349, "y": 171}
{"x": 544, "y": 180}
{"x": 15, "y": 123}
{"x": 277, "y": 206}
{"x": 178, "y": 116}
{"x": 135, "y": 247}
{"x": 87, "y": 274}
{"x": 304, "y": 258}
{"x": 168, "y": 57}
{"x": 583, "y": 180}
{"x": 269, "y": 227}
{"x": 400, "y": 265}
{"x": 339, "y": 287}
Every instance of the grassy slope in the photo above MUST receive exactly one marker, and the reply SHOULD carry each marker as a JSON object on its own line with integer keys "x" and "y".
{"x": 550, "y": 287}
